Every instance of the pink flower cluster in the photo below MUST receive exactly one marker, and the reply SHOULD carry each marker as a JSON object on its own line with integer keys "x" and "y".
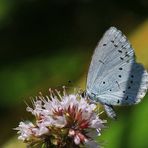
{"x": 60, "y": 120}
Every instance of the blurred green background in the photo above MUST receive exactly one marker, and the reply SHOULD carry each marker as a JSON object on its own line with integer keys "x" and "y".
{"x": 46, "y": 43}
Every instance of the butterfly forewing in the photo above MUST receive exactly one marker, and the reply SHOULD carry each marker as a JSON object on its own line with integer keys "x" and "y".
{"x": 114, "y": 76}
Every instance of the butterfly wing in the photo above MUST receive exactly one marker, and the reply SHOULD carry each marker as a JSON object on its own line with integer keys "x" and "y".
{"x": 114, "y": 77}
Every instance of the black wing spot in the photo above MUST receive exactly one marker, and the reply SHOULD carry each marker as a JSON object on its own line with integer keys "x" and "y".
{"x": 126, "y": 98}
{"x": 118, "y": 101}
{"x": 110, "y": 90}
{"x": 121, "y": 58}
{"x": 120, "y": 68}
{"x": 123, "y": 91}
{"x": 119, "y": 76}
{"x": 103, "y": 82}
{"x": 132, "y": 76}
{"x": 115, "y": 45}
{"x": 112, "y": 41}
{"x": 129, "y": 87}
{"x": 104, "y": 44}
{"x": 127, "y": 55}
{"x": 131, "y": 82}
{"x": 120, "y": 51}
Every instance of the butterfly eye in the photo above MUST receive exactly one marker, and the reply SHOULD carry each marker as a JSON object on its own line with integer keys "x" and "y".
{"x": 83, "y": 94}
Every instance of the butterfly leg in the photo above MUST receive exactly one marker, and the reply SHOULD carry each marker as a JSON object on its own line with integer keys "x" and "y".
{"x": 110, "y": 111}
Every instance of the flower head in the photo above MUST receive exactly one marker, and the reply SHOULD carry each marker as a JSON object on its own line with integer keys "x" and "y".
{"x": 60, "y": 120}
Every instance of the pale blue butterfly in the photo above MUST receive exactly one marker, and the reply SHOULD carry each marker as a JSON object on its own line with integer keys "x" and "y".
{"x": 114, "y": 78}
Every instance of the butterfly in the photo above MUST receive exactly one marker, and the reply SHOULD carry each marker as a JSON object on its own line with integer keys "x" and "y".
{"x": 114, "y": 77}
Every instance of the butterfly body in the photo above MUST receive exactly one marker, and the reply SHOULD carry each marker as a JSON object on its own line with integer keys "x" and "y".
{"x": 114, "y": 77}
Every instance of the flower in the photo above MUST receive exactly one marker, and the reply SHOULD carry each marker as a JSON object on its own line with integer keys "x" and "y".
{"x": 60, "y": 120}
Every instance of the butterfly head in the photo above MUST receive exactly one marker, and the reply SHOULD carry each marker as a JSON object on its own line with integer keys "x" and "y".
{"x": 86, "y": 94}
{"x": 90, "y": 95}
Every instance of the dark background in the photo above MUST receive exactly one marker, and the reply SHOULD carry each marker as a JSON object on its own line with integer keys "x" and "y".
{"x": 47, "y": 43}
